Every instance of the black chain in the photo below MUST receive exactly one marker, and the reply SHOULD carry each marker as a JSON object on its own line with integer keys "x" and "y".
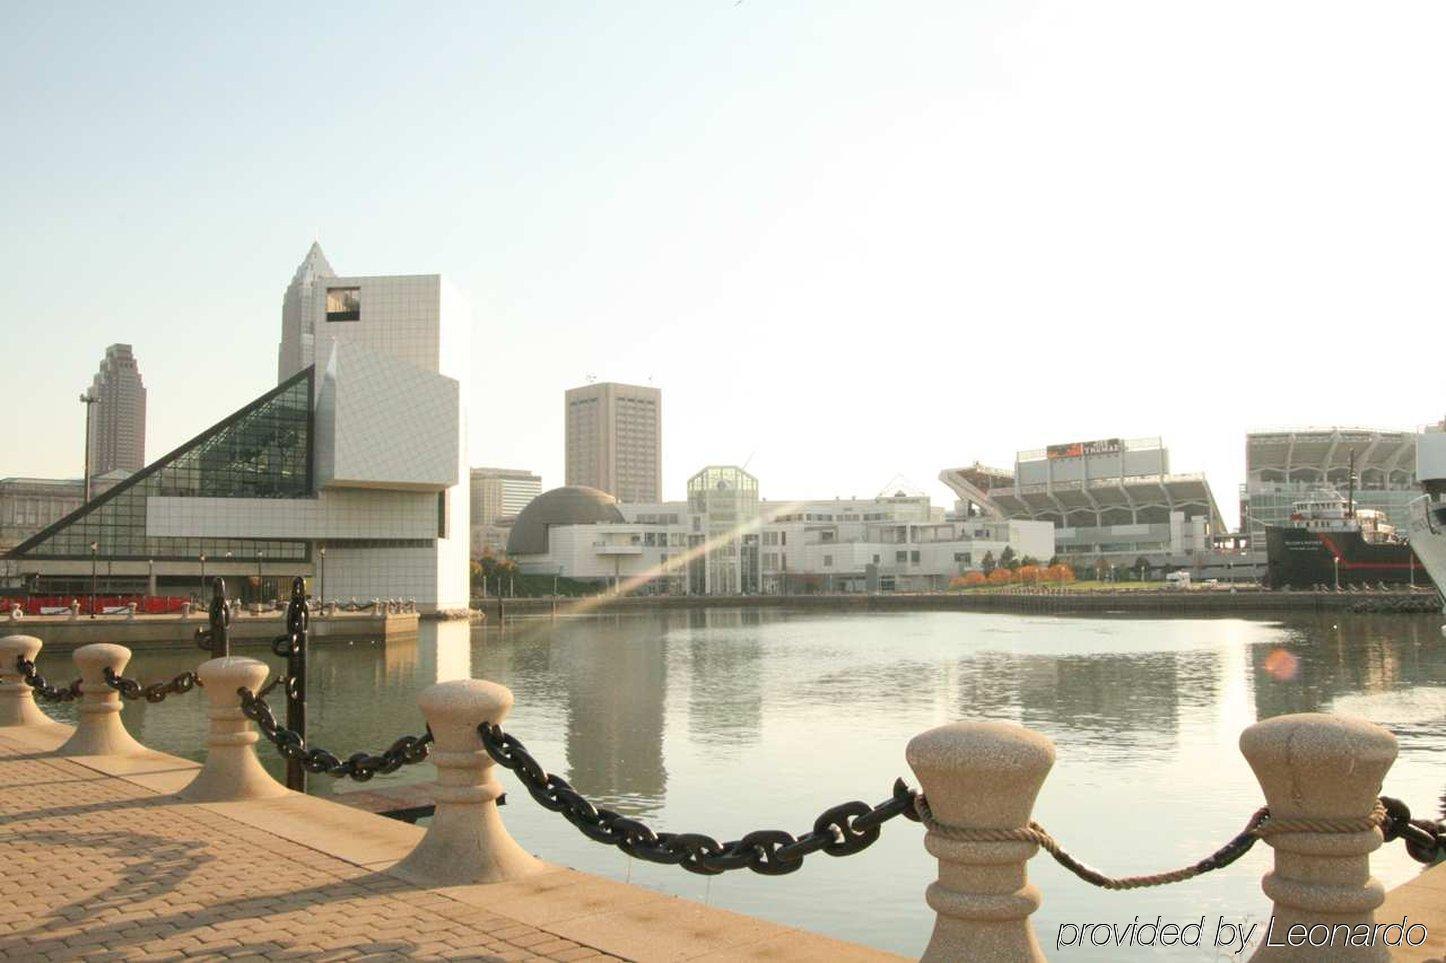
{"x": 1425, "y": 839}
{"x": 156, "y": 691}
{"x": 359, "y": 766}
{"x": 46, "y": 692}
{"x": 840, "y": 831}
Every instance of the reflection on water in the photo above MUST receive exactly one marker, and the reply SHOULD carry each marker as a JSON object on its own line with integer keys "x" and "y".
{"x": 727, "y": 721}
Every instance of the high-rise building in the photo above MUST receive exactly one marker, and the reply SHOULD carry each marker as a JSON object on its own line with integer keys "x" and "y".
{"x": 615, "y": 440}
{"x": 498, "y": 495}
{"x": 118, "y": 416}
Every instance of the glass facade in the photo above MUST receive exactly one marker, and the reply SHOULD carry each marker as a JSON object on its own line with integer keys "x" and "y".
{"x": 261, "y": 451}
{"x": 728, "y": 498}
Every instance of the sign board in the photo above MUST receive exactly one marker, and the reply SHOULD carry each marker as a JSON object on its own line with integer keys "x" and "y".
{"x": 1080, "y": 449}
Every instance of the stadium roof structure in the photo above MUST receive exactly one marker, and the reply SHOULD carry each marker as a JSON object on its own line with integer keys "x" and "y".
{"x": 1128, "y": 500}
{"x": 1323, "y": 455}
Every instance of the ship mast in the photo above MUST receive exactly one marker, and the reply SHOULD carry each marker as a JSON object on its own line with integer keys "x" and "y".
{"x": 1351, "y": 487}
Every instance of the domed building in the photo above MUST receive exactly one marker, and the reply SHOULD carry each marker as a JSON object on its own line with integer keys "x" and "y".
{"x": 570, "y": 505}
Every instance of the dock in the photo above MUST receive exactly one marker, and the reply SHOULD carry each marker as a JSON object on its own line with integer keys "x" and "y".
{"x": 102, "y": 861}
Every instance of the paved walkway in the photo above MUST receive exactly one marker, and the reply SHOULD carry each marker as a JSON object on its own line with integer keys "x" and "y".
{"x": 98, "y": 861}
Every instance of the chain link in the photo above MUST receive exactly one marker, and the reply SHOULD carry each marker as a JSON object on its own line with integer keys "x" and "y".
{"x": 840, "y": 831}
{"x": 156, "y": 691}
{"x": 359, "y": 766}
{"x": 1425, "y": 839}
{"x": 46, "y": 692}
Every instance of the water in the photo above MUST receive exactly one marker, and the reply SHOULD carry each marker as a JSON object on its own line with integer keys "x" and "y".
{"x": 727, "y": 721}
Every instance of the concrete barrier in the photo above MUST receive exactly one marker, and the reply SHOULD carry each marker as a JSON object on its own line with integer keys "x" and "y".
{"x": 99, "y": 730}
{"x": 1325, "y": 769}
{"x": 466, "y": 842}
{"x": 231, "y": 770}
{"x": 17, "y": 701}
{"x": 981, "y": 776}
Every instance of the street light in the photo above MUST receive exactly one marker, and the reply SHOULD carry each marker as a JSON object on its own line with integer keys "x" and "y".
{"x": 259, "y": 553}
{"x": 87, "y": 398}
{"x": 1336, "y": 561}
{"x": 94, "y": 547}
{"x": 203, "y": 578}
{"x": 321, "y": 589}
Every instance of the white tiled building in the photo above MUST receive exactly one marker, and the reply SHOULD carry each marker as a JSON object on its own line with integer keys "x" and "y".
{"x": 353, "y": 470}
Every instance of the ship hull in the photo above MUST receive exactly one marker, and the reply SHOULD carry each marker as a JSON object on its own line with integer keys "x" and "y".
{"x": 1302, "y": 559}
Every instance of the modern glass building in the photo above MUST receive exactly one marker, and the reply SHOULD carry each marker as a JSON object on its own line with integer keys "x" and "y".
{"x": 261, "y": 451}
{"x": 727, "y": 497}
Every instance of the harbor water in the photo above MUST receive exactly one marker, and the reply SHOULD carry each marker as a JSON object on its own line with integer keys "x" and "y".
{"x": 724, "y": 721}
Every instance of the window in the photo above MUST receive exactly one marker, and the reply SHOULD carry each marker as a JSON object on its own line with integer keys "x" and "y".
{"x": 901, "y": 556}
{"x": 914, "y": 557}
{"x": 343, "y": 304}
{"x": 828, "y": 561}
{"x": 963, "y": 557}
{"x": 876, "y": 560}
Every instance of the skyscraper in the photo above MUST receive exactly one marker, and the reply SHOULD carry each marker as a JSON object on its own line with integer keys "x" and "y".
{"x": 499, "y": 493}
{"x": 615, "y": 440}
{"x": 118, "y": 417}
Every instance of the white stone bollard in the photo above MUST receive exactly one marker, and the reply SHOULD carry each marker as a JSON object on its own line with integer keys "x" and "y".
{"x": 98, "y": 729}
{"x": 231, "y": 770}
{"x": 466, "y": 842}
{"x": 17, "y": 701}
{"x": 16, "y": 614}
{"x": 75, "y": 608}
{"x": 1320, "y": 767}
{"x": 981, "y": 776}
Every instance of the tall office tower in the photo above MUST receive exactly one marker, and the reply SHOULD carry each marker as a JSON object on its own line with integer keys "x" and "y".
{"x": 298, "y": 313}
{"x": 615, "y": 440}
{"x": 118, "y": 418}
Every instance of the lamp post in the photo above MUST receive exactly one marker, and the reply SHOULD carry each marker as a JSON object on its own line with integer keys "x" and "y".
{"x": 94, "y": 548}
{"x": 87, "y": 398}
{"x": 203, "y": 578}
{"x": 259, "y": 553}
{"x": 228, "y": 558}
{"x": 150, "y": 577}
{"x": 321, "y": 589}
{"x": 1336, "y": 561}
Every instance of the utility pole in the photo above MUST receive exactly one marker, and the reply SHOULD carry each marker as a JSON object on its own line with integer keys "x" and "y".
{"x": 87, "y": 398}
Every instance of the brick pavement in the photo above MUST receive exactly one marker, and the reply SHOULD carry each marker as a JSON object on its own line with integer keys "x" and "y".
{"x": 95, "y": 867}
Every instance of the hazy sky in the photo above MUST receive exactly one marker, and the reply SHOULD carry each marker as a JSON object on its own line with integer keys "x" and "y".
{"x": 847, "y": 240}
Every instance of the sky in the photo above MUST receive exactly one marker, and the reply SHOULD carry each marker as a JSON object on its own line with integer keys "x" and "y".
{"x": 852, "y": 243}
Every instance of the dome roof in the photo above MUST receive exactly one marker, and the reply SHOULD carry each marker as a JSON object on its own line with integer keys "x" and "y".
{"x": 572, "y": 505}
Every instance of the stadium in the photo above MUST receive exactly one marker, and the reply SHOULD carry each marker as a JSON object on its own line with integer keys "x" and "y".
{"x": 1106, "y": 498}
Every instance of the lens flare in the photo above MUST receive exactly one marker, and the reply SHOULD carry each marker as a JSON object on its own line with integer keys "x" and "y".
{"x": 1282, "y": 665}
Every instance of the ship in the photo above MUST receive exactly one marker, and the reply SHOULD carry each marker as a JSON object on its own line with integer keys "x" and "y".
{"x": 1330, "y": 543}
{"x": 1426, "y": 521}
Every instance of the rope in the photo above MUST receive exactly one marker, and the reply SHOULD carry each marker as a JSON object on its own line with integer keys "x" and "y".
{"x": 1260, "y": 826}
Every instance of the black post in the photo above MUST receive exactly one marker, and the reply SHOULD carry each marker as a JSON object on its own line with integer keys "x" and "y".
{"x": 218, "y": 638}
{"x": 94, "y": 547}
{"x": 293, "y": 646}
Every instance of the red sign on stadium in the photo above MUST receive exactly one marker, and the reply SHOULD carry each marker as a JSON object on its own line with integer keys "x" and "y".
{"x": 1079, "y": 449}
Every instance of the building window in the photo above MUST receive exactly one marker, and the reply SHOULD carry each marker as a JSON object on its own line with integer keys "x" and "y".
{"x": 901, "y": 556}
{"x": 914, "y": 557}
{"x": 828, "y": 561}
{"x": 343, "y": 304}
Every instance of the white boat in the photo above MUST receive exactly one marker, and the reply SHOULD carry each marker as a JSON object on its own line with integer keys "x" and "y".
{"x": 1427, "y": 519}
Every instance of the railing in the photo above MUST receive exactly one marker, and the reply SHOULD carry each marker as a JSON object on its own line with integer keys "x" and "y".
{"x": 1321, "y": 777}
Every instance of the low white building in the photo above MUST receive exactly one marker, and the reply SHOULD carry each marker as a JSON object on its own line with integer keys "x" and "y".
{"x": 891, "y": 543}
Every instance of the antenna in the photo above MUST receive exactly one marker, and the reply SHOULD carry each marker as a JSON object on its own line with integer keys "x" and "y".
{"x": 744, "y": 466}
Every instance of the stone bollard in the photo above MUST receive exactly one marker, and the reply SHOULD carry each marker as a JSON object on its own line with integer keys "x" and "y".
{"x": 981, "y": 776}
{"x": 16, "y": 614}
{"x": 1320, "y": 767}
{"x": 75, "y": 608}
{"x": 231, "y": 770}
{"x": 98, "y": 729}
{"x": 466, "y": 842}
{"x": 17, "y": 701}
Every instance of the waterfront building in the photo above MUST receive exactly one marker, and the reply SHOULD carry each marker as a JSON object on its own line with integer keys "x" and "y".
{"x": 614, "y": 440}
{"x": 498, "y": 495}
{"x": 28, "y": 505}
{"x": 1284, "y": 467}
{"x": 1112, "y": 499}
{"x": 725, "y": 540}
{"x": 117, "y": 416}
{"x": 360, "y": 451}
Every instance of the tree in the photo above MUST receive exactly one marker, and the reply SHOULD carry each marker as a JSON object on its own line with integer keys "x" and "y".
{"x": 1008, "y": 559}
{"x": 1142, "y": 567}
{"x": 1029, "y": 560}
{"x": 1053, "y": 561}
{"x": 1000, "y": 576}
{"x": 988, "y": 564}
